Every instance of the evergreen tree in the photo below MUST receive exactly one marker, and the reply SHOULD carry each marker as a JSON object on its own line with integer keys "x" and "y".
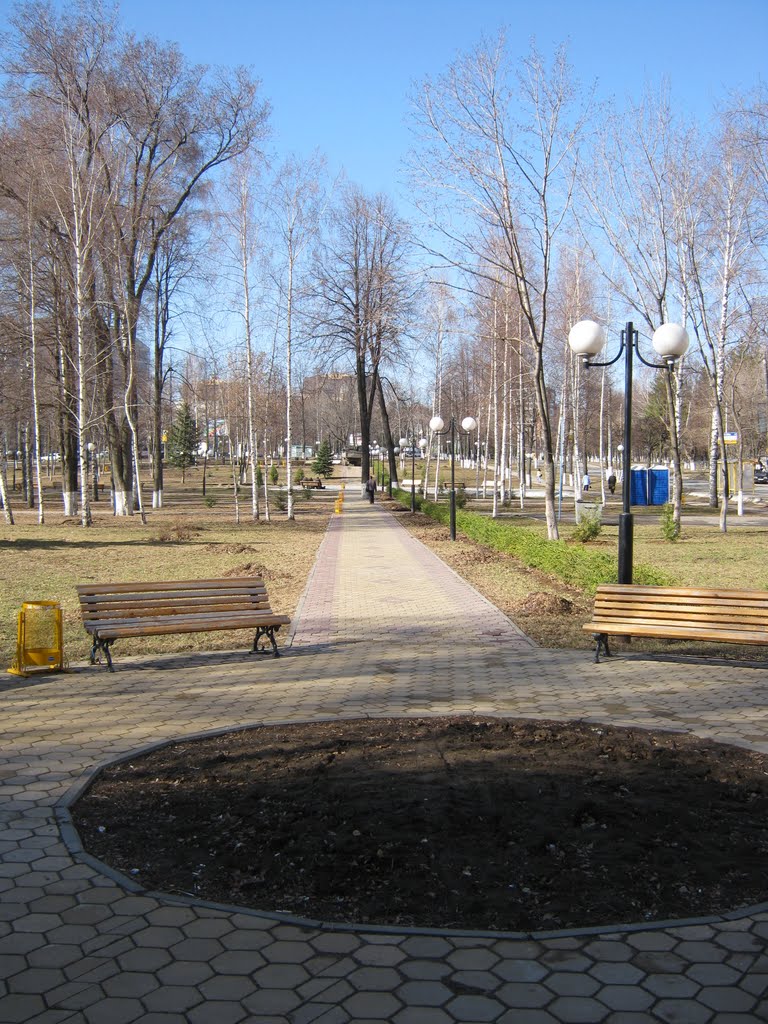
{"x": 323, "y": 464}
{"x": 183, "y": 441}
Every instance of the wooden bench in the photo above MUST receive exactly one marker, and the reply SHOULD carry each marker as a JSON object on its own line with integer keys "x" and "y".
{"x": 114, "y": 610}
{"x": 678, "y": 613}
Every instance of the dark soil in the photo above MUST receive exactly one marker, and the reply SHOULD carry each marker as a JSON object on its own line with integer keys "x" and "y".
{"x": 459, "y": 822}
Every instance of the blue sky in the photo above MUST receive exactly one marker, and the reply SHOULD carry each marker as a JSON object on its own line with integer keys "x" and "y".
{"x": 338, "y": 72}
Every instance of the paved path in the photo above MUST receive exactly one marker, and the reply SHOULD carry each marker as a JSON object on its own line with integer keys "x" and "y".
{"x": 384, "y": 628}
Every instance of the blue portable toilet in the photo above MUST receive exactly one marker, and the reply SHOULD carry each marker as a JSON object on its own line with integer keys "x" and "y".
{"x": 658, "y": 486}
{"x": 638, "y": 487}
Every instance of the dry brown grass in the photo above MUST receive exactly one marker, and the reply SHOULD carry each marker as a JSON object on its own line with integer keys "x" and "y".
{"x": 184, "y": 540}
{"x": 190, "y": 538}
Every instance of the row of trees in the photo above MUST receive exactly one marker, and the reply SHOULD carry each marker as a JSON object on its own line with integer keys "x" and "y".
{"x": 108, "y": 143}
{"x": 646, "y": 212}
{"x": 140, "y": 212}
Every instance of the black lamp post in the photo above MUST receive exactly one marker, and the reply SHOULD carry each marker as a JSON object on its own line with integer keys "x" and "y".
{"x": 204, "y": 452}
{"x": 468, "y": 424}
{"x": 670, "y": 341}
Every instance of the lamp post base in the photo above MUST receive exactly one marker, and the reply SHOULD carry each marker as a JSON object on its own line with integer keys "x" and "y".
{"x": 626, "y": 525}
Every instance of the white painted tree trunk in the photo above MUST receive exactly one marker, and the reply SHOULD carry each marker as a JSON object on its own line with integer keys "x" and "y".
{"x": 35, "y": 401}
{"x": 122, "y": 503}
{"x": 7, "y": 510}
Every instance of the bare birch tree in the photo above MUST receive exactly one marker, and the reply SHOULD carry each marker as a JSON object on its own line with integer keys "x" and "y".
{"x": 718, "y": 217}
{"x": 295, "y": 203}
{"x": 497, "y": 160}
{"x": 630, "y": 190}
{"x": 241, "y": 219}
{"x": 362, "y": 290}
{"x": 170, "y": 125}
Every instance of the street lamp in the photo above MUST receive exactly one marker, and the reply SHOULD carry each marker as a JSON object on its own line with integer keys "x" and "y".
{"x": 468, "y": 424}
{"x": 670, "y": 341}
{"x": 204, "y": 452}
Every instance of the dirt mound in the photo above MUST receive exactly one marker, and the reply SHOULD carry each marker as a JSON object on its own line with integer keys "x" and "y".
{"x": 248, "y": 569}
{"x": 544, "y": 604}
{"x": 231, "y": 549}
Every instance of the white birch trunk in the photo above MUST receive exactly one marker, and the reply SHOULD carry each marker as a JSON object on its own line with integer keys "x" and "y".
{"x": 244, "y": 254}
{"x": 235, "y": 484}
{"x": 487, "y": 441}
{"x": 35, "y": 401}
{"x": 266, "y": 480}
{"x": 495, "y": 378}
{"x": 7, "y": 510}
{"x": 85, "y": 507}
{"x": 288, "y": 385}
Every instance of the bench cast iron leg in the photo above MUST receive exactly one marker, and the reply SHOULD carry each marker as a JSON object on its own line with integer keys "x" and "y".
{"x": 102, "y": 645}
{"x": 602, "y": 641}
{"x": 269, "y": 632}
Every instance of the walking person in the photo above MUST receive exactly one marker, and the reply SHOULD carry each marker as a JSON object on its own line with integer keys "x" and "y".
{"x": 612, "y": 483}
{"x": 585, "y": 482}
{"x": 370, "y": 488}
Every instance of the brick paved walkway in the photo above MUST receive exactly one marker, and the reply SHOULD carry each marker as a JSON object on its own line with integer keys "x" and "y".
{"x": 384, "y": 628}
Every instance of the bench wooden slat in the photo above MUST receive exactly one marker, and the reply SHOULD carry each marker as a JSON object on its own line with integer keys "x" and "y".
{"x": 156, "y": 627}
{"x": 633, "y": 627}
{"x": 158, "y": 595}
{"x": 623, "y": 589}
{"x": 714, "y": 604}
{"x": 181, "y": 595}
{"x": 111, "y": 611}
{"x": 236, "y": 613}
{"x": 173, "y": 585}
{"x": 649, "y": 616}
{"x": 692, "y": 616}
